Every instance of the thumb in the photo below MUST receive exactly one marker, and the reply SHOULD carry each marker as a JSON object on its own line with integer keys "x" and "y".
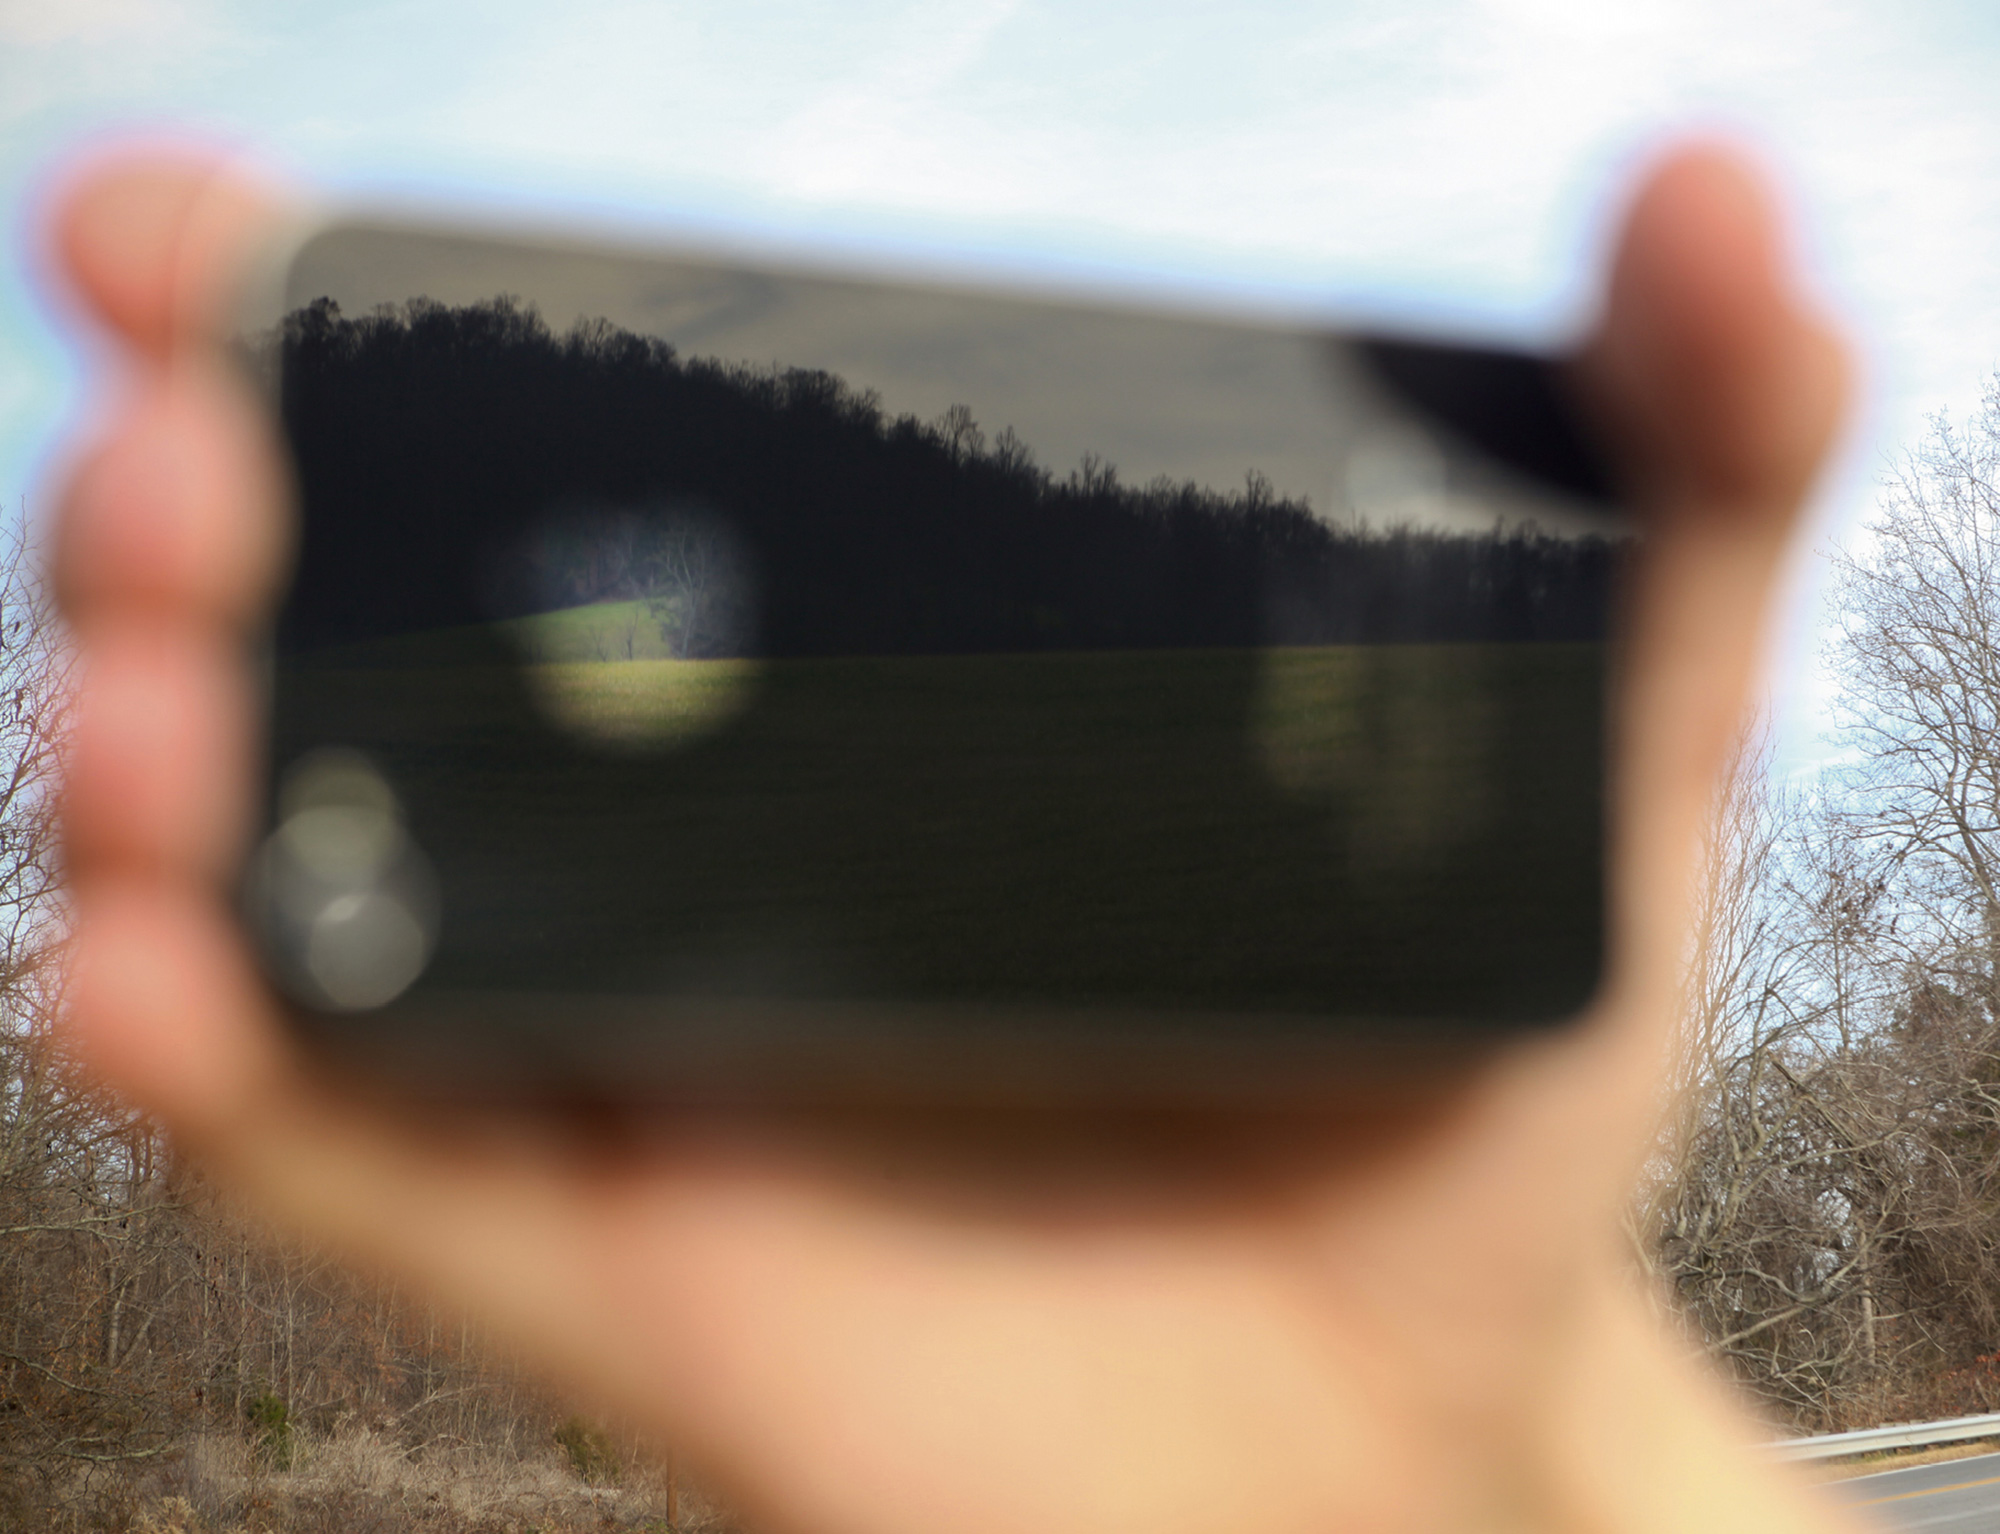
{"x": 1716, "y": 380}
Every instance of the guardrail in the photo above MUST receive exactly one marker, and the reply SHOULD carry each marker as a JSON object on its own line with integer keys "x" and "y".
{"x": 1901, "y": 1435}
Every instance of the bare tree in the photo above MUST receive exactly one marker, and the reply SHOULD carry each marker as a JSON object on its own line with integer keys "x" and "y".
{"x": 1825, "y": 1205}
{"x": 1788, "y": 1176}
{"x": 1919, "y": 662}
{"x": 959, "y": 433}
{"x": 1012, "y": 453}
{"x": 698, "y": 586}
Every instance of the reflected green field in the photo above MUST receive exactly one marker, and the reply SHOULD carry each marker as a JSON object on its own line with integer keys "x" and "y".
{"x": 1407, "y": 831}
{"x": 598, "y": 631}
{"x": 641, "y": 703}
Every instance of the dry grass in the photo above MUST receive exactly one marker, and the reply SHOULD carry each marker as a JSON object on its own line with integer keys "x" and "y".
{"x": 361, "y": 1482}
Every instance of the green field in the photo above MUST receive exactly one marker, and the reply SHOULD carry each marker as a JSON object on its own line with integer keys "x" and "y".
{"x": 1407, "y": 830}
{"x": 601, "y": 631}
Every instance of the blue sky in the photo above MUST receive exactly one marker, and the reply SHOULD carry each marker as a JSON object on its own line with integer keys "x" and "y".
{"x": 1444, "y": 160}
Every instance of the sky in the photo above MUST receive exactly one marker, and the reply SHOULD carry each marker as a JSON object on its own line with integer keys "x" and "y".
{"x": 1448, "y": 163}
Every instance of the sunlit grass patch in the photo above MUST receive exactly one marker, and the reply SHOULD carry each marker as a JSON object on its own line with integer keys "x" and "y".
{"x": 601, "y": 631}
{"x": 641, "y": 702}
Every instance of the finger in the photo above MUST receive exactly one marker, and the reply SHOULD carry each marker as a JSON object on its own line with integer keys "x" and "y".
{"x": 1721, "y": 389}
{"x": 157, "y": 242}
{"x": 1725, "y": 389}
{"x": 1720, "y": 383}
{"x": 178, "y": 509}
{"x": 159, "y": 752}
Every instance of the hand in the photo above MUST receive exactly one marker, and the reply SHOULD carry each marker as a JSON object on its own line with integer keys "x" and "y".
{"x": 1408, "y": 1312}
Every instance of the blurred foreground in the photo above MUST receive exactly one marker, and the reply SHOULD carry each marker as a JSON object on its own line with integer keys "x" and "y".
{"x": 1820, "y": 1214}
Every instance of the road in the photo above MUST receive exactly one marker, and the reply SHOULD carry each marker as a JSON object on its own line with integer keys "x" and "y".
{"x": 1959, "y": 1497}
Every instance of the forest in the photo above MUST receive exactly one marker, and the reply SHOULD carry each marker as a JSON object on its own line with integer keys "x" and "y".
{"x": 462, "y": 465}
{"x": 1825, "y": 1202}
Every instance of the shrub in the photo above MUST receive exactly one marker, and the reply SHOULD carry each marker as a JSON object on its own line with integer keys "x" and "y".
{"x": 591, "y": 1452}
{"x": 272, "y": 1420}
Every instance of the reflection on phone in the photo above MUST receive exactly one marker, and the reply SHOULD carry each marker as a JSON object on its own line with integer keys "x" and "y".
{"x": 732, "y": 636}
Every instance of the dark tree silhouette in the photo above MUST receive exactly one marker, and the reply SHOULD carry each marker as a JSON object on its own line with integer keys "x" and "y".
{"x": 435, "y": 443}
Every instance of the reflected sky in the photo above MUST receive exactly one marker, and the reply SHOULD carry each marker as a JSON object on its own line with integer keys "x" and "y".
{"x": 1182, "y": 395}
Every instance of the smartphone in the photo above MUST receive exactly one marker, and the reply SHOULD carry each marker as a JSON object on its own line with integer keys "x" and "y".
{"x": 708, "y": 676}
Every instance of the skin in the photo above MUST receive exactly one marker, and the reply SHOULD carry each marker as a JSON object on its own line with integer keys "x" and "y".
{"x": 1392, "y": 1310}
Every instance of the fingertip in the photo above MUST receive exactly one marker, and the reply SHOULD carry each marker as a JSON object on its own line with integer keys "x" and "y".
{"x": 1704, "y": 247}
{"x": 154, "y": 239}
{"x": 1711, "y": 182}
{"x": 1713, "y": 369}
{"x": 113, "y": 230}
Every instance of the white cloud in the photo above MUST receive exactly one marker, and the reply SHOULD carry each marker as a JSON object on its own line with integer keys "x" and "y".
{"x": 42, "y": 23}
{"x": 78, "y": 58}
{"x": 875, "y": 127}
{"x": 1462, "y": 147}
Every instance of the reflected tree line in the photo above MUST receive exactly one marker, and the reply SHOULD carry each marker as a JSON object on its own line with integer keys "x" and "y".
{"x": 463, "y": 464}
